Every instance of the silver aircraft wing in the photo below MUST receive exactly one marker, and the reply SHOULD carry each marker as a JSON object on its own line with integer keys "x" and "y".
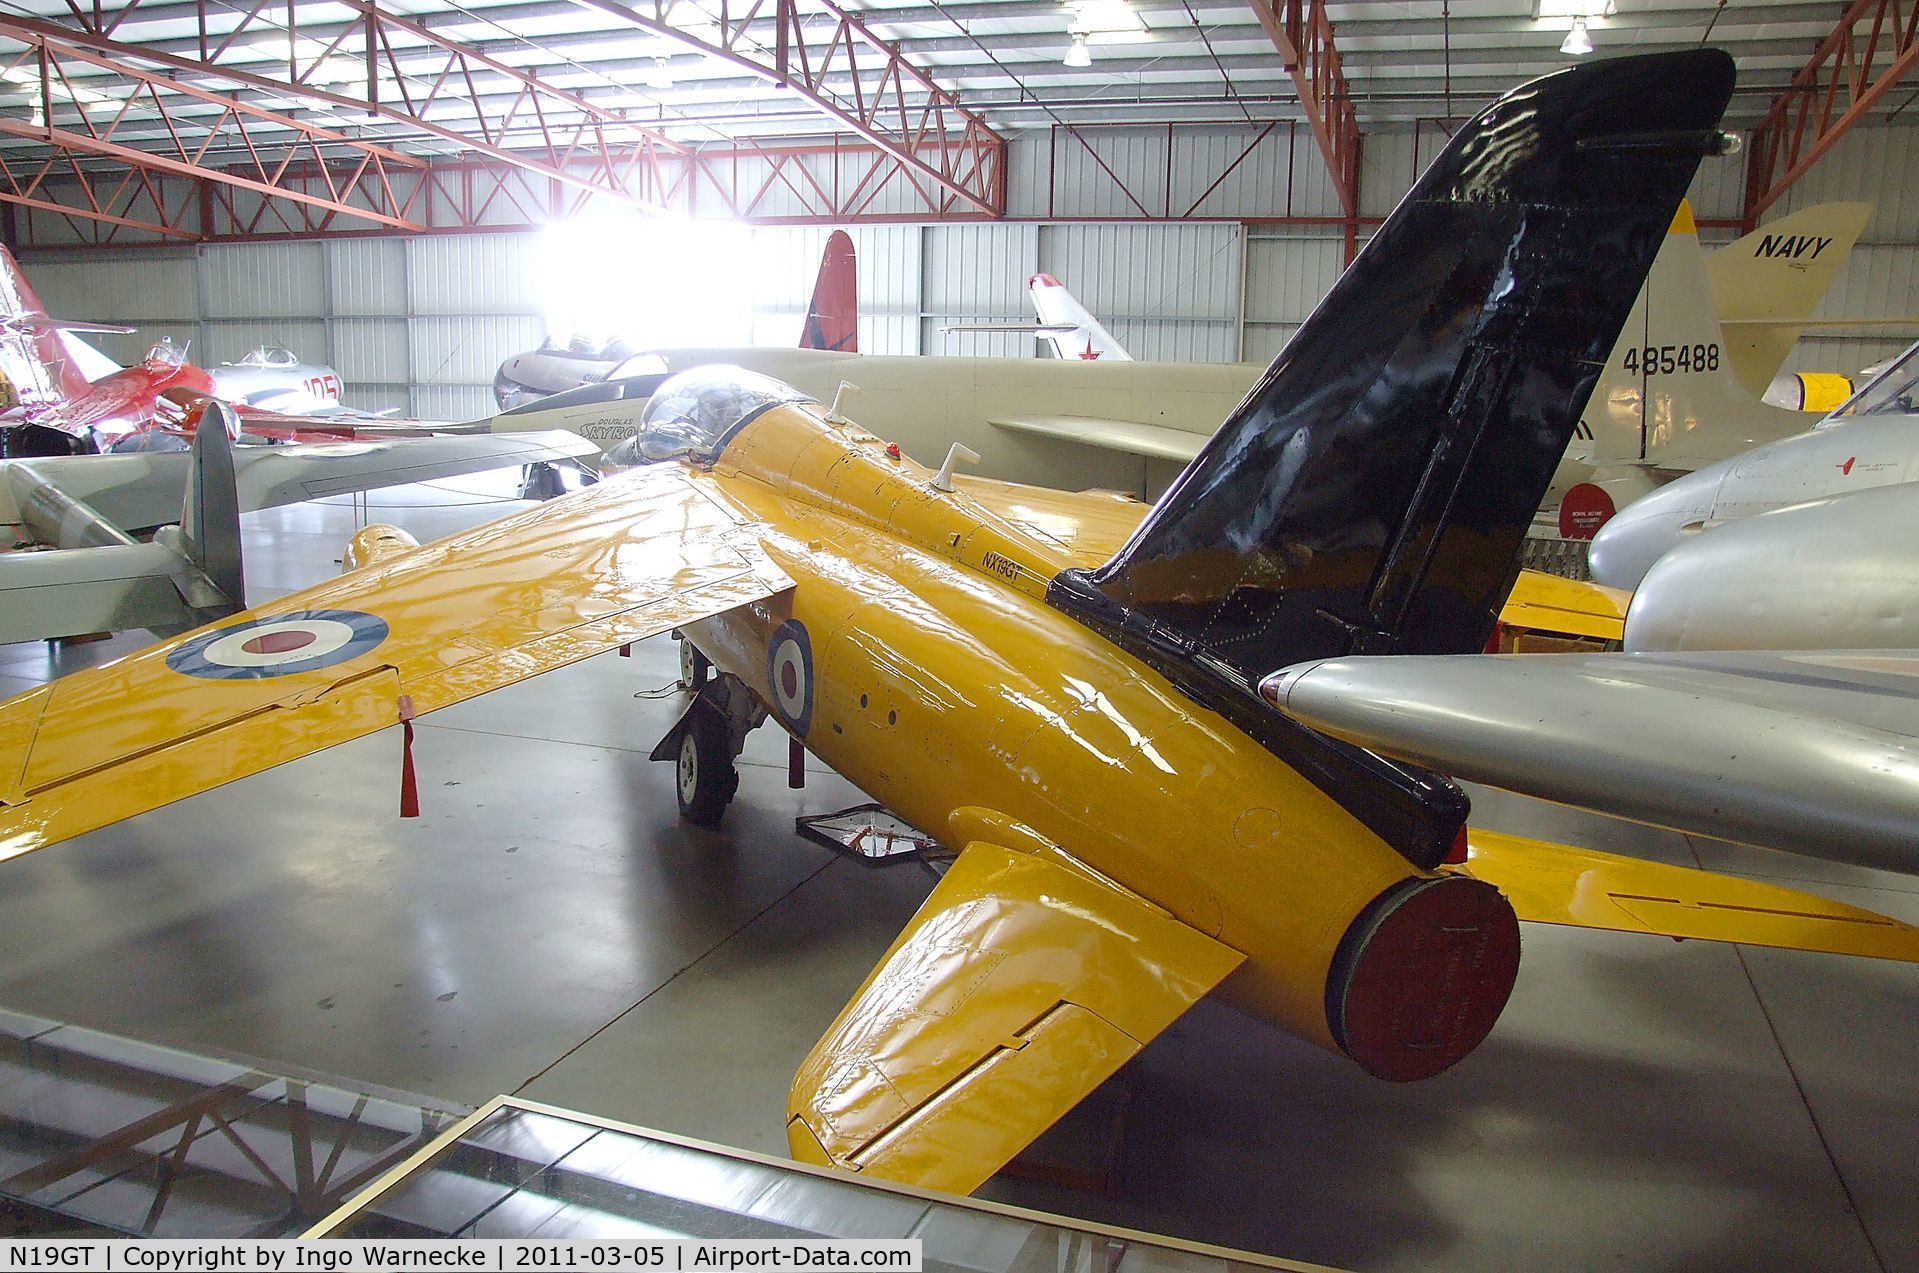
{"x": 139, "y": 491}
{"x": 114, "y": 588}
{"x": 90, "y": 574}
{"x": 1813, "y": 752}
{"x": 271, "y": 476}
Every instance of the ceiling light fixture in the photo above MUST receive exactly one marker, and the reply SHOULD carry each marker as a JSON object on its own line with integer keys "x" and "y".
{"x": 1577, "y": 42}
{"x": 1077, "y": 54}
{"x": 658, "y": 75}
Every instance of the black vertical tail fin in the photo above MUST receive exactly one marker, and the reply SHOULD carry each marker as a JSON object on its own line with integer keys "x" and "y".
{"x": 1372, "y": 492}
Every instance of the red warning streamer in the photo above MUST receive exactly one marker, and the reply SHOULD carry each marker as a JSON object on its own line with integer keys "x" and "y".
{"x": 409, "y": 783}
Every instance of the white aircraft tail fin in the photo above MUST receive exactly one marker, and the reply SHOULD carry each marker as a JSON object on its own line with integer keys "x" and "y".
{"x": 1071, "y": 328}
{"x": 36, "y": 365}
{"x": 1766, "y": 285}
{"x": 90, "y": 362}
{"x": 1668, "y": 398}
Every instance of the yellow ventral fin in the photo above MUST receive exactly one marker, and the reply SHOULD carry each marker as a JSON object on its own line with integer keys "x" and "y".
{"x": 1558, "y": 884}
{"x": 1019, "y": 987}
{"x": 1547, "y": 603}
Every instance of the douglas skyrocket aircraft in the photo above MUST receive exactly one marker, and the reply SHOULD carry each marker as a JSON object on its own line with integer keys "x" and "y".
{"x": 1060, "y": 691}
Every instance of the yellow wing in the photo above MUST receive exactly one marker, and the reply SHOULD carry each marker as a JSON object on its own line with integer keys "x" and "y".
{"x": 1019, "y": 987}
{"x": 494, "y": 605}
{"x": 1559, "y": 884}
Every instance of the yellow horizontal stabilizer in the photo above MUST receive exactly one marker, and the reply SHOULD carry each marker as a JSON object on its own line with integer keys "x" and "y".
{"x": 1540, "y": 602}
{"x": 422, "y": 630}
{"x": 1558, "y": 884}
{"x": 1019, "y": 987}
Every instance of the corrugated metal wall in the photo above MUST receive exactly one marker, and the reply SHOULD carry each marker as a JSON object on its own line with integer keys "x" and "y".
{"x": 972, "y": 274}
{"x": 367, "y": 308}
{"x": 421, "y": 323}
{"x": 1211, "y": 171}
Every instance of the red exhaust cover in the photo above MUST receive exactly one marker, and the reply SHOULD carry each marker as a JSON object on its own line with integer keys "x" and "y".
{"x": 1422, "y": 975}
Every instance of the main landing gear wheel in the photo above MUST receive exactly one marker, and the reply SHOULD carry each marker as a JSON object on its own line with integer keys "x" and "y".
{"x": 704, "y": 744}
{"x": 705, "y": 776}
{"x": 694, "y": 668}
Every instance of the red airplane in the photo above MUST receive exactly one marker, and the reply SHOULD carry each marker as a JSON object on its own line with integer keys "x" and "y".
{"x": 49, "y": 407}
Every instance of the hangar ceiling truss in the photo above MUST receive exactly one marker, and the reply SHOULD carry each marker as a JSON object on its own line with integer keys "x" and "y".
{"x": 1873, "y": 47}
{"x": 208, "y": 114}
{"x": 216, "y": 119}
{"x": 1303, "y": 34}
{"x": 271, "y": 118}
{"x": 834, "y": 62}
{"x": 155, "y": 125}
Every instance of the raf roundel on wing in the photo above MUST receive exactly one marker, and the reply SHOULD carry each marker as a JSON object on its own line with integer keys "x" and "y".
{"x": 282, "y": 645}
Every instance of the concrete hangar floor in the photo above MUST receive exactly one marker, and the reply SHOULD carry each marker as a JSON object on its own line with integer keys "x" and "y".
{"x": 550, "y": 928}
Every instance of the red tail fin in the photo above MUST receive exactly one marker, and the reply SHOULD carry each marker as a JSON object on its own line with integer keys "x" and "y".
{"x": 833, "y": 317}
{"x": 31, "y": 355}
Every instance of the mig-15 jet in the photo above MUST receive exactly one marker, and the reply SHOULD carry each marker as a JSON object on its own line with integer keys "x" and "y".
{"x": 1061, "y": 688}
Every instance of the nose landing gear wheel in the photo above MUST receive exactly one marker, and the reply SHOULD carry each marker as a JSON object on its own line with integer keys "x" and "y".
{"x": 705, "y": 776}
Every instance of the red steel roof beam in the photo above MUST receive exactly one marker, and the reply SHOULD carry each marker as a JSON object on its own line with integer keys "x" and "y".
{"x": 53, "y": 55}
{"x": 1873, "y": 47}
{"x": 1303, "y": 34}
{"x": 968, "y": 159}
{"x": 592, "y": 128}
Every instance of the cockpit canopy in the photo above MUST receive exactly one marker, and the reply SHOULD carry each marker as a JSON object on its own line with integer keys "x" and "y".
{"x": 587, "y": 345}
{"x": 695, "y": 413}
{"x": 639, "y": 366}
{"x": 1894, "y": 391}
{"x": 269, "y": 356}
{"x": 165, "y": 353}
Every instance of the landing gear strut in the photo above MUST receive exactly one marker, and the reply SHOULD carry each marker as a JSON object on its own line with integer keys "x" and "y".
{"x": 706, "y": 742}
{"x": 541, "y": 481}
{"x": 550, "y": 479}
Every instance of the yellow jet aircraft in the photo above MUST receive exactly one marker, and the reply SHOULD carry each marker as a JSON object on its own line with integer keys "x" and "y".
{"x": 1059, "y": 688}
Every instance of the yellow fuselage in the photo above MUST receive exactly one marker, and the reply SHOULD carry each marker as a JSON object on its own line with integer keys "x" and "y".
{"x": 946, "y": 687}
